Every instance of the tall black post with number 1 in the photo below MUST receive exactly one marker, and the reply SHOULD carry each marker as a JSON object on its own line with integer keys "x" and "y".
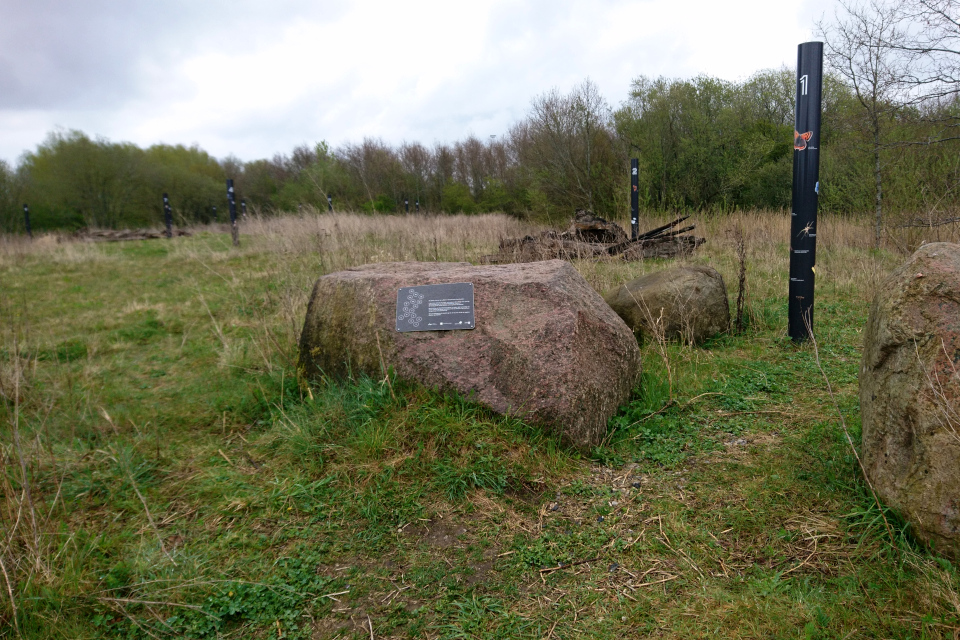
{"x": 806, "y": 189}
{"x": 232, "y": 201}
{"x": 634, "y": 198}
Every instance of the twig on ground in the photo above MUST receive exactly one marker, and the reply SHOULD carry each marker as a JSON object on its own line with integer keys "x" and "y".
{"x": 757, "y": 411}
{"x": 13, "y": 600}
{"x": 805, "y": 560}
{"x": 673, "y": 403}
{"x": 566, "y": 566}
{"x": 550, "y": 634}
{"x": 155, "y": 602}
{"x": 153, "y": 525}
{"x": 216, "y": 327}
{"x": 650, "y": 584}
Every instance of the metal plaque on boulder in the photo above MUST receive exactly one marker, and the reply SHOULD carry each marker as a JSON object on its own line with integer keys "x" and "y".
{"x": 435, "y": 307}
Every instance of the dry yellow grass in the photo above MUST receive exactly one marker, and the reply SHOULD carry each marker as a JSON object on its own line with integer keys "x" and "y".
{"x": 311, "y": 244}
{"x": 343, "y": 240}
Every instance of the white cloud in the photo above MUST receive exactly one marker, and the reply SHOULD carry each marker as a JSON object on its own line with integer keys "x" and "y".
{"x": 253, "y": 80}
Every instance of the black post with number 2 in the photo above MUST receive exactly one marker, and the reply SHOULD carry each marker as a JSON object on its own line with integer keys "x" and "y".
{"x": 806, "y": 190}
{"x": 634, "y": 198}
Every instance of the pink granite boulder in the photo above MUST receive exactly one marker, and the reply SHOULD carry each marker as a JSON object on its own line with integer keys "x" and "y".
{"x": 910, "y": 394}
{"x": 546, "y": 347}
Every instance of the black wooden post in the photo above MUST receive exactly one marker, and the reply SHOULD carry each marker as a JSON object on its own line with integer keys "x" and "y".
{"x": 216, "y": 217}
{"x": 26, "y": 221}
{"x": 330, "y": 204}
{"x": 168, "y": 215}
{"x": 417, "y": 208}
{"x": 231, "y": 200}
{"x": 806, "y": 190}
{"x": 634, "y": 198}
{"x": 243, "y": 207}
{"x": 406, "y": 205}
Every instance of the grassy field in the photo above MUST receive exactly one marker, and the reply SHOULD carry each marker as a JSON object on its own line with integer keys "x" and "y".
{"x": 165, "y": 475}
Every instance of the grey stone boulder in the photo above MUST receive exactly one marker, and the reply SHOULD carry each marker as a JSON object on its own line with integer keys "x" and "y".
{"x": 910, "y": 394}
{"x": 545, "y": 348}
{"x": 688, "y": 302}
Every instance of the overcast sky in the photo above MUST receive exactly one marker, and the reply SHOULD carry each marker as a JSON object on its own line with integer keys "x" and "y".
{"x": 256, "y": 78}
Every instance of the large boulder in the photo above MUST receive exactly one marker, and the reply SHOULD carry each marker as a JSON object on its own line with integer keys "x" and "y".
{"x": 688, "y": 302}
{"x": 909, "y": 390}
{"x": 546, "y": 347}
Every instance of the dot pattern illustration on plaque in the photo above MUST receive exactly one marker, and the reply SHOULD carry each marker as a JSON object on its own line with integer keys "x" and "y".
{"x": 410, "y": 306}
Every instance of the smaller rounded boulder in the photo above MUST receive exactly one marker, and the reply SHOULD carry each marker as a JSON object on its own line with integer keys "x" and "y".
{"x": 689, "y": 303}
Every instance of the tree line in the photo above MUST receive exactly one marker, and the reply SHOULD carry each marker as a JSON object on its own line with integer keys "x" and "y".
{"x": 891, "y": 108}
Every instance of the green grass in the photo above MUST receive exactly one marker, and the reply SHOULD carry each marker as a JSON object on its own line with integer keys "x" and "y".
{"x": 158, "y": 376}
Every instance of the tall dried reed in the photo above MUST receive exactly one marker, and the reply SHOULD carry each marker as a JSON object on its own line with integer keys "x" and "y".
{"x": 343, "y": 240}
{"x": 304, "y": 246}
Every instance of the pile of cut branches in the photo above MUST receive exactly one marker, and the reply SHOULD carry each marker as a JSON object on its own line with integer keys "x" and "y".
{"x": 119, "y": 235}
{"x": 592, "y": 237}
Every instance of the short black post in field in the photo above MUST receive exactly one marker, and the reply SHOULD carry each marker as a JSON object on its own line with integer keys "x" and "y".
{"x": 216, "y": 216}
{"x": 634, "y": 198}
{"x": 806, "y": 190}
{"x": 234, "y": 229}
{"x": 167, "y": 215}
{"x": 406, "y": 205}
{"x": 243, "y": 208}
{"x": 417, "y": 208}
{"x": 26, "y": 221}
{"x": 330, "y": 204}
